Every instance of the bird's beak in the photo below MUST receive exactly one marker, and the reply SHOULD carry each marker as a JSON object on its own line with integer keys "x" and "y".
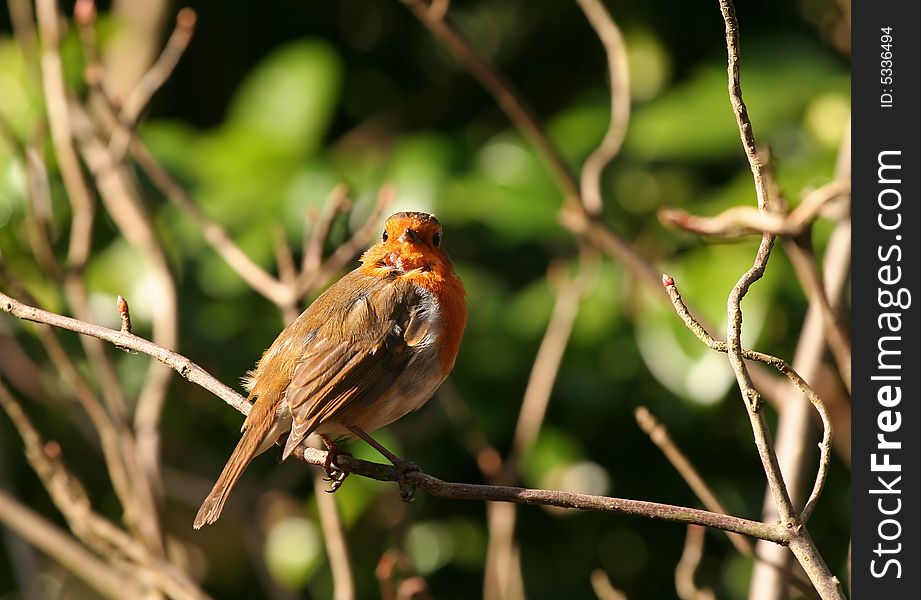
{"x": 408, "y": 236}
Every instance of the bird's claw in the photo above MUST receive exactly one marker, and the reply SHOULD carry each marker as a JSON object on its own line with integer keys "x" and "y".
{"x": 407, "y": 490}
{"x": 334, "y": 474}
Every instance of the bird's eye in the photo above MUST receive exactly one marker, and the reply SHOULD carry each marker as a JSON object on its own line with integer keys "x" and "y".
{"x": 384, "y": 236}
{"x": 436, "y": 239}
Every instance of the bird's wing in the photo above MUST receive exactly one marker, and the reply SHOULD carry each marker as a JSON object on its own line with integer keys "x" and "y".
{"x": 359, "y": 351}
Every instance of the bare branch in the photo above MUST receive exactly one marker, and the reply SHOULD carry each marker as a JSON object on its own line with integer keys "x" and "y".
{"x": 78, "y": 192}
{"x": 619, "y": 74}
{"x": 121, "y": 196}
{"x": 687, "y": 566}
{"x": 837, "y": 339}
{"x": 337, "y": 550}
{"x": 509, "y": 100}
{"x": 129, "y": 341}
{"x": 308, "y": 281}
{"x": 55, "y": 543}
{"x": 659, "y": 436}
{"x": 569, "y": 293}
{"x": 750, "y": 395}
{"x": 603, "y": 588}
{"x": 95, "y": 531}
{"x": 336, "y": 203}
{"x": 152, "y": 81}
{"x": 744, "y": 220}
{"x": 501, "y": 550}
{"x": 779, "y": 364}
{"x": 216, "y": 236}
{"x": 433, "y": 485}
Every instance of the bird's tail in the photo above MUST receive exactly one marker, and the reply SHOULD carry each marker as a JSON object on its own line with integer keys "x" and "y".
{"x": 247, "y": 448}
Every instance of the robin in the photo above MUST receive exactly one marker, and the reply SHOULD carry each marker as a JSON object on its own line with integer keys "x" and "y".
{"x": 372, "y": 348}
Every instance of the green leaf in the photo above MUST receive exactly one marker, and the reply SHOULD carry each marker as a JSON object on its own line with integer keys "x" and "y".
{"x": 290, "y": 98}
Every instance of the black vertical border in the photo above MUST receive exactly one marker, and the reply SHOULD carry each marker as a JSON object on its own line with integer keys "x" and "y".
{"x": 877, "y": 129}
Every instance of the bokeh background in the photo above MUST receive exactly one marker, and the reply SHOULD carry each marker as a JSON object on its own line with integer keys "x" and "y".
{"x": 275, "y": 103}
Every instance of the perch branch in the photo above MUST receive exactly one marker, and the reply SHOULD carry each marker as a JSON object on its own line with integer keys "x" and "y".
{"x": 381, "y": 472}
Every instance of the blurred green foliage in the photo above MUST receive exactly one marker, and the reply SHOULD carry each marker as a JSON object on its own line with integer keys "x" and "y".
{"x": 272, "y": 107}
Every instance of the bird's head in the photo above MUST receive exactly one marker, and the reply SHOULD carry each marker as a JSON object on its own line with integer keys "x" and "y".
{"x": 411, "y": 241}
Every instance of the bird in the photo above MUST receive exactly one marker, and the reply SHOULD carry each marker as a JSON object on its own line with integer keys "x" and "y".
{"x": 370, "y": 349}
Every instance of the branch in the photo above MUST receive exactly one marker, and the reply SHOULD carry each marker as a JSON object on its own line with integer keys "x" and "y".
{"x": 129, "y": 341}
{"x": 380, "y": 472}
{"x": 744, "y": 220}
{"x": 97, "y": 532}
{"x": 507, "y": 97}
{"x": 658, "y": 434}
{"x": 779, "y": 364}
{"x": 152, "y": 81}
{"x": 750, "y": 395}
{"x": 308, "y": 281}
{"x": 59, "y": 546}
{"x": 501, "y": 550}
{"x": 687, "y": 566}
{"x": 660, "y": 437}
{"x": 618, "y": 71}
{"x": 254, "y": 275}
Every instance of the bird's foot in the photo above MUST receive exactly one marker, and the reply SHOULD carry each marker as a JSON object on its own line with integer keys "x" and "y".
{"x": 334, "y": 474}
{"x": 402, "y": 467}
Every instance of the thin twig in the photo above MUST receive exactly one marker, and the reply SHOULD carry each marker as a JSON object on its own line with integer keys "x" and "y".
{"x": 744, "y": 220}
{"x": 509, "y": 100}
{"x": 603, "y": 588}
{"x": 152, "y": 81}
{"x": 569, "y": 293}
{"x": 779, "y": 364}
{"x": 287, "y": 271}
{"x": 337, "y": 551}
{"x": 121, "y": 196}
{"x": 618, "y": 70}
{"x": 837, "y": 339}
{"x": 687, "y": 566}
{"x": 501, "y": 549}
{"x": 78, "y": 192}
{"x": 308, "y": 281}
{"x": 254, "y": 275}
{"x": 381, "y": 472}
{"x": 337, "y": 202}
{"x": 58, "y": 545}
{"x": 659, "y": 436}
{"x": 128, "y": 341}
{"x": 750, "y": 395}
{"x": 71, "y": 499}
